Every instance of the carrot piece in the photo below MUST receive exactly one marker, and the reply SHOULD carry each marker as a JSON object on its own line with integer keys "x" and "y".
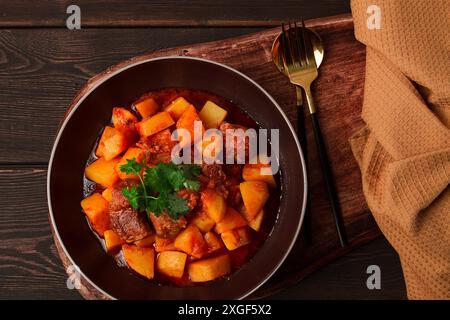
{"x": 132, "y": 153}
{"x": 187, "y": 121}
{"x": 154, "y": 124}
{"x": 123, "y": 119}
{"x": 147, "y": 107}
{"x": 102, "y": 172}
{"x": 107, "y": 133}
{"x": 96, "y": 209}
{"x": 115, "y": 145}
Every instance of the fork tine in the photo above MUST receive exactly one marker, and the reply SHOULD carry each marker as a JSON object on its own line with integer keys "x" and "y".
{"x": 308, "y": 46}
{"x": 303, "y": 41}
{"x": 286, "y": 46}
{"x": 283, "y": 42}
{"x": 297, "y": 44}
{"x": 292, "y": 45}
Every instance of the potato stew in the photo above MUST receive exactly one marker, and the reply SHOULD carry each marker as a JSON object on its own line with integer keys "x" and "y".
{"x": 176, "y": 224}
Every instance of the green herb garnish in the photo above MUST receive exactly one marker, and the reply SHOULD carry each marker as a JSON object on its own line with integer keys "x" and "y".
{"x": 157, "y": 192}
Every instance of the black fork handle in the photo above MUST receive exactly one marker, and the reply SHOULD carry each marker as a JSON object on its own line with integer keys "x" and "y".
{"x": 301, "y": 135}
{"x": 326, "y": 171}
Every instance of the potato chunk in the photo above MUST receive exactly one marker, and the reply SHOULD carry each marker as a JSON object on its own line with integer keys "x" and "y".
{"x": 102, "y": 172}
{"x": 107, "y": 194}
{"x": 171, "y": 263}
{"x": 191, "y": 241}
{"x": 252, "y": 172}
{"x": 163, "y": 244}
{"x": 154, "y": 124}
{"x": 213, "y": 204}
{"x": 132, "y": 153}
{"x": 177, "y": 107}
{"x": 254, "y": 195}
{"x": 147, "y": 107}
{"x": 203, "y": 222}
{"x": 112, "y": 241}
{"x": 232, "y": 220}
{"x": 139, "y": 259}
{"x": 209, "y": 269}
{"x": 236, "y": 238}
{"x": 146, "y": 242}
{"x": 96, "y": 209}
{"x": 212, "y": 115}
{"x": 213, "y": 242}
{"x": 254, "y": 223}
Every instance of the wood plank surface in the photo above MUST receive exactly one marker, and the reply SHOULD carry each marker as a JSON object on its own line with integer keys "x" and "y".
{"x": 31, "y": 269}
{"x": 41, "y": 71}
{"x": 29, "y": 264}
{"x": 338, "y": 93}
{"x": 346, "y": 277}
{"x": 143, "y": 13}
{"x": 43, "y": 65}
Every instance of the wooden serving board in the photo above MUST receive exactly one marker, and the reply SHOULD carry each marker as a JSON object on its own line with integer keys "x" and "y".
{"x": 339, "y": 94}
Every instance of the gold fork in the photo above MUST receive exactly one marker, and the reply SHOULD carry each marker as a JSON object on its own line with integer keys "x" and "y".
{"x": 300, "y": 64}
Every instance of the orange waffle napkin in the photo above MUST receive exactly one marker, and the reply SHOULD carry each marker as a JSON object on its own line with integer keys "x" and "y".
{"x": 404, "y": 151}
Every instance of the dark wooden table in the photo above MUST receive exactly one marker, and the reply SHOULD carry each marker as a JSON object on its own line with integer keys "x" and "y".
{"x": 43, "y": 64}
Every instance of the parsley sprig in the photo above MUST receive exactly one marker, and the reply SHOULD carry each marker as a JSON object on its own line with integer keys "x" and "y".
{"x": 157, "y": 191}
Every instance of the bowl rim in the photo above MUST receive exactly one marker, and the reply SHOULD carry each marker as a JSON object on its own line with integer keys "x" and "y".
{"x": 68, "y": 116}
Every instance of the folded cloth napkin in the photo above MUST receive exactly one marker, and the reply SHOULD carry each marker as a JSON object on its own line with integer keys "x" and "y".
{"x": 404, "y": 150}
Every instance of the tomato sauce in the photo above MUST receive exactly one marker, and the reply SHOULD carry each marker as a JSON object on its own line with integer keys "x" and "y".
{"x": 236, "y": 115}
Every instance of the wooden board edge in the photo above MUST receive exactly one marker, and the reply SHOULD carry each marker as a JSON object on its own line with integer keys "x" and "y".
{"x": 362, "y": 239}
{"x": 89, "y": 292}
{"x": 338, "y": 20}
{"x": 152, "y": 23}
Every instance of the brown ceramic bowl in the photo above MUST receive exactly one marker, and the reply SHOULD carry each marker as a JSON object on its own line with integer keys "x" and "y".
{"x": 79, "y": 131}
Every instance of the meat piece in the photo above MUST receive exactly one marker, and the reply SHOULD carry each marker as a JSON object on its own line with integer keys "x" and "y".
{"x": 213, "y": 171}
{"x": 191, "y": 197}
{"x": 213, "y": 177}
{"x": 237, "y": 141}
{"x": 234, "y": 196}
{"x": 233, "y": 171}
{"x": 127, "y": 222}
{"x": 234, "y": 177}
{"x": 166, "y": 227}
{"x": 158, "y": 146}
